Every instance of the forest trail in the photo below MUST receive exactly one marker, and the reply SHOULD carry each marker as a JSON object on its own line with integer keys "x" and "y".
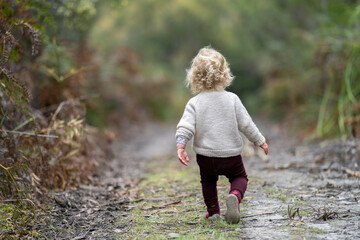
{"x": 145, "y": 193}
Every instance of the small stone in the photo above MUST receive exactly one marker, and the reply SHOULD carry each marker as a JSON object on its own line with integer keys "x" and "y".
{"x": 117, "y": 230}
{"x": 173, "y": 235}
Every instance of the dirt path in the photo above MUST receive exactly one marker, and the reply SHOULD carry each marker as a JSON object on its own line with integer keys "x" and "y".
{"x": 92, "y": 211}
{"x": 305, "y": 189}
{"x": 298, "y": 192}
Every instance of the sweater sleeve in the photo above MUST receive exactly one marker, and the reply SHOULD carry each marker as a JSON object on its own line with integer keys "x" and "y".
{"x": 186, "y": 125}
{"x": 246, "y": 124}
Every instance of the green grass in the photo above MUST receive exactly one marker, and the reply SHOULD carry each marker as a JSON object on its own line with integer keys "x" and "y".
{"x": 272, "y": 192}
{"x": 283, "y": 195}
{"x": 172, "y": 182}
{"x": 167, "y": 181}
{"x": 309, "y": 230}
{"x": 17, "y": 220}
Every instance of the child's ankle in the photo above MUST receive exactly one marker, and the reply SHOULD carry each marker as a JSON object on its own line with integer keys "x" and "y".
{"x": 237, "y": 194}
{"x": 213, "y": 209}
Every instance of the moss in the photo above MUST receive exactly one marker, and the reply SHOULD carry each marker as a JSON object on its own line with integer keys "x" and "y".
{"x": 17, "y": 220}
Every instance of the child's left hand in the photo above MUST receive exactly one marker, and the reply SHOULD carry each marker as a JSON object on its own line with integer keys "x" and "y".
{"x": 182, "y": 154}
{"x": 265, "y": 147}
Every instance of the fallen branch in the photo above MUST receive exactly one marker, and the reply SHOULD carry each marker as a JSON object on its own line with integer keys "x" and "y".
{"x": 258, "y": 214}
{"x": 351, "y": 173}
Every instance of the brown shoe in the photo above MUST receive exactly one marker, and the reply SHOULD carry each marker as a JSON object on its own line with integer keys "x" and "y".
{"x": 232, "y": 214}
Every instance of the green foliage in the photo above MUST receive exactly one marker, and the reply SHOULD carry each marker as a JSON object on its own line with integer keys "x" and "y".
{"x": 14, "y": 98}
{"x": 7, "y": 11}
{"x": 40, "y": 10}
{"x": 35, "y": 151}
{"x": 13, "y": 88}
{"x": 77, "y": 14}
{"x": 340, "y": 64}
{"x": 169, "y": 34}
{"x": 295, "y": 58}
{"x": 286, "y": 51}
{"x": 56, "y": 62}
{"x": 73, "y": 20}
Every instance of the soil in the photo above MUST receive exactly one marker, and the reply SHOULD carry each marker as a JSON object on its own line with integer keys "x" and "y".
{"x": 91, "y": 211}
{"x": 315, "y": 181}
{"x": 297, "y": 191}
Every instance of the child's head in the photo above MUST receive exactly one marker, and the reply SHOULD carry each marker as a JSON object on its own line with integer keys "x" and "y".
{"x": 209, "y": 71}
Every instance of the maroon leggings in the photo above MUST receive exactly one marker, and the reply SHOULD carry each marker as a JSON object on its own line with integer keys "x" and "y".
{"x": 210, "y": 169}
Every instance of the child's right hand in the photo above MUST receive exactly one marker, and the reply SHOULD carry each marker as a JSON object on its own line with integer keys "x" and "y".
{"x": 182, "y": 154}
{"x": 265, "y": 147}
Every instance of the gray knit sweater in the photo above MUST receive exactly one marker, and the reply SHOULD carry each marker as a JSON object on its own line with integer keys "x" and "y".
{"x": 215, "y": 120}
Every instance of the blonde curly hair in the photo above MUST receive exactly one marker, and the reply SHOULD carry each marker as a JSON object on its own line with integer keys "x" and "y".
{"x": 209, "y": 71}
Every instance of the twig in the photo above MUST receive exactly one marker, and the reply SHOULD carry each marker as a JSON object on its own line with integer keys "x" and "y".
{"x": 331, "y": 163}
{"x": 55, "y": 106}
{"x": 258, "y": 214}
{"x": 293, "y": 214}
{"x": 57, "y": 111}
{"x": 121, "y": 202}
{"x": 144, "y": 199}
{"x": 161, "y": 206}
{"x": 202, "y": 232}
{"x": 324, "y": 213}
{"x": 55, "y": 114}
{"x": 16, "y": 200}
{"x": 29, "y": 133}
{"x": 351, "y": 173}
{"x": 157, "y": 199}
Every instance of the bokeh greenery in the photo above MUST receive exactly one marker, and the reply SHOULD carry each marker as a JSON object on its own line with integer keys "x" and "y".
{"x": 296, "y": 61}
{"x": 292, "y": 59}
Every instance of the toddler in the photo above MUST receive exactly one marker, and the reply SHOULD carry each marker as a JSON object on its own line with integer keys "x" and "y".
{"x": 215, "y": 118}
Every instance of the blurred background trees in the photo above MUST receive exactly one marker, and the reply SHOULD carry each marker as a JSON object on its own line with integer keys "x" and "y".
{"x": 292, "y": 59}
